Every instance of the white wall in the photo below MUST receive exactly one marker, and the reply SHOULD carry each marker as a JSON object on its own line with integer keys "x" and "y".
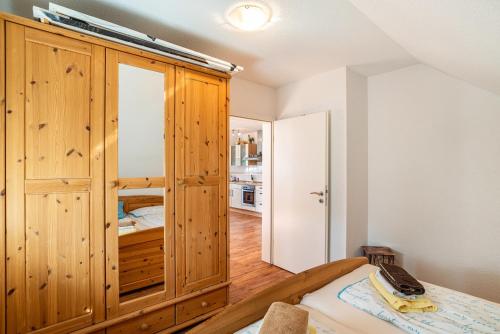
{"x": 5, "y": 6}
{"x": 251, "y": 100}
{"x": 141, "y": 110}
{"x": 323, "y": 92}
{"x": 357, "y": 163}
{"x": 434, "y": 177}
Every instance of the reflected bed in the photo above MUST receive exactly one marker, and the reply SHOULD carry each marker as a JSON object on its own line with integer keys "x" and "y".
{"x": 141, "y": 253}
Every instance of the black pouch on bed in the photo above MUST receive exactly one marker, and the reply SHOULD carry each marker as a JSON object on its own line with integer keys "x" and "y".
{"x": 401, "y": 280}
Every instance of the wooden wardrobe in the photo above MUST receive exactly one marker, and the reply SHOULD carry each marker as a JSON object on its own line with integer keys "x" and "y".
{"x": 59, "y": 186}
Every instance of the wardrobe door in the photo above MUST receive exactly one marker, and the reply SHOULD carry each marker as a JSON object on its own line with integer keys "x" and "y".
{"x": 2, "y": 176}
{"x": 139, "y": 180}
{"x": 201, "y": 180}
{"x": 55, "y": 182}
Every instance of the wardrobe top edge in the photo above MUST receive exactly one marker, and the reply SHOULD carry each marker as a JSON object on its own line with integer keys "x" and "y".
{"x": 105, "y": 43}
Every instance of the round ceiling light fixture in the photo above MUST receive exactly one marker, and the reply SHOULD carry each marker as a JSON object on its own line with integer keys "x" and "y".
{"x": 249, "y": 15}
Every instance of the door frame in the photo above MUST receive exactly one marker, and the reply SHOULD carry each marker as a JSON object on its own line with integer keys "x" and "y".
{"x": 269, "y": 201}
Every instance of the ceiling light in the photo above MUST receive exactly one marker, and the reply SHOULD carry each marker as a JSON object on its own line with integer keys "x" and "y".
{"x": 249, "y": 15}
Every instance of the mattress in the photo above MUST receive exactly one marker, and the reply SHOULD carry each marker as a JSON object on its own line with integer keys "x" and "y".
{"x": 142, "y": 219}
{"x": 347, "y": 305}
{"x": 325, "y": 301}
{"x": 331, "y": 315}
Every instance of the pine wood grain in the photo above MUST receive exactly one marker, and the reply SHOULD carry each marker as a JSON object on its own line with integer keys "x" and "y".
{"x": 2, "y": 178}
{"x": 249, "y": 274}
{"x": 141, "y": 182}
{"x": 97, "y": 240}
{"x": 55, "y": 168}
{"x": 195, "y": 307}
{"x": 16, "y": 292}
{"x": 57, "y": 108}
{"x": 150, "y": 323}
{"x": 153, "y": 308}
{"x": 57, "y": 245}
{"x": 114, "y": 274}
{"x": 201, "y": 180}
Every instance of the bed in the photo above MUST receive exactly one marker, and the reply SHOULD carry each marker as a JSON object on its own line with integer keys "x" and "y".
{"x": 322, "y": 291}
{"x": 141, "y": 242}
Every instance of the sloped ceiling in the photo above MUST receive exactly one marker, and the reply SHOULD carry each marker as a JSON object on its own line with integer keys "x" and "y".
{"x": 458, "y": 37}
{"x": 309, "y": 37}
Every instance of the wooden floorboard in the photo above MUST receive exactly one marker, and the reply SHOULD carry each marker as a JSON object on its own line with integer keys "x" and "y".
{"x": 249, "y": 274}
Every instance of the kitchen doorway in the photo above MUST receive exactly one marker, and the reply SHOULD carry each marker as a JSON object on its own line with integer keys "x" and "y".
{"x": 250, "y": 211}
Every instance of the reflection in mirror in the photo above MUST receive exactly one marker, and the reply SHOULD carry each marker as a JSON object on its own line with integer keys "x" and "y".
{"x": 141, "y": 218}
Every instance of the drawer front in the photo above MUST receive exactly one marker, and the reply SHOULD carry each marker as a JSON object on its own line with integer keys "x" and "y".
{"x": 195, "y": 307}
{"x": 147, "y": 324}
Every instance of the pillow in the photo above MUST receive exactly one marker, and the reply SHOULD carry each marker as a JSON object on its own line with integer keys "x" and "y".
{"x": 149, "y": 210}
{"x": 121, "y": 213}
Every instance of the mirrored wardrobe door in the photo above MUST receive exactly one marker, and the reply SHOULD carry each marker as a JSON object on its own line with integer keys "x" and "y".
{"x": 139, "y": 179}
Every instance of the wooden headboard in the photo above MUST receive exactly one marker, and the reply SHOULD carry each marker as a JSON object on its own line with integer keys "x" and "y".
{"x": 140, "y": 201}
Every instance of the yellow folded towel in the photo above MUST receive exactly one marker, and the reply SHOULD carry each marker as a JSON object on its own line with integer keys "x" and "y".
{"x": 420, "y": 304}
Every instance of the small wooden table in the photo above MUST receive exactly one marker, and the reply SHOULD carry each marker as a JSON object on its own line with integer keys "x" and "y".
{"x": 377, "y": 255}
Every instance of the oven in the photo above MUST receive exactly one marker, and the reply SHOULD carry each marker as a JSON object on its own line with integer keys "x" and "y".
{"x": 248, "y": 196}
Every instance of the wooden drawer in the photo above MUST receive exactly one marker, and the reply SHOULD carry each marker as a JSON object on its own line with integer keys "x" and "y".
{"x": 149, "y": 323}
{"x": 195, "y": 307}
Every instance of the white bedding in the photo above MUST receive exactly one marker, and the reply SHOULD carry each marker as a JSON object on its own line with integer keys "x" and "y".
{"x": 341, "y": 317}
{"x": 325, "y": 300}
{"x": 337, "y": 315}
{"x": 460, "y": 313}
{"x": 456, "y": 312}
{"x": 142, "y": 219}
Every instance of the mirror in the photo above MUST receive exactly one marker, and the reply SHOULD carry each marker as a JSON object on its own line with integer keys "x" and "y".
{"x": 141, "y": 173}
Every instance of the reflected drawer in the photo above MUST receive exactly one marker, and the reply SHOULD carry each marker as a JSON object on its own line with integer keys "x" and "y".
{"x": 149, "y": 323}
{"x": 195, "y": 307}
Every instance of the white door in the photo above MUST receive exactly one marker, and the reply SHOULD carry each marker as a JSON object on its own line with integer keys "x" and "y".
{"x": 300, "y": 180}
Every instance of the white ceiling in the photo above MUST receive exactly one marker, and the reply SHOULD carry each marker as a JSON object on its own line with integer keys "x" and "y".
{"x": 244, "y": 125}
{"x": 458, "y": 37}
{"x": 309, "y": 37}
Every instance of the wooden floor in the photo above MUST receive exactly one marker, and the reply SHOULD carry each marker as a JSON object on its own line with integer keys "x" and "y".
{"x": 248, "y": 273}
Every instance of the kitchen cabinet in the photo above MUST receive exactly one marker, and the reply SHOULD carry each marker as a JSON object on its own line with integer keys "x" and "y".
{"x": 259, "y": 197}
{"x": 235, "y": 153}
{"x": 241, "y": 153}
{"x": 235, "y": 196}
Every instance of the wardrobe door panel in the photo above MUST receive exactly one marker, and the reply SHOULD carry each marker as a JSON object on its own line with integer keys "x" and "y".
{"x": 2, "y": 176}
{"x": 139, "y": 179}
{"x": 57, "y": 112}
{"x": 202, "y": 232}
{"x": 201, "y": 176}
{"x": 57, "y": 261}
{"x": 55, "y": 183}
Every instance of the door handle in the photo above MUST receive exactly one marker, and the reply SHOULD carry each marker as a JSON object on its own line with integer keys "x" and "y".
{"x": 319, "y": 193}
